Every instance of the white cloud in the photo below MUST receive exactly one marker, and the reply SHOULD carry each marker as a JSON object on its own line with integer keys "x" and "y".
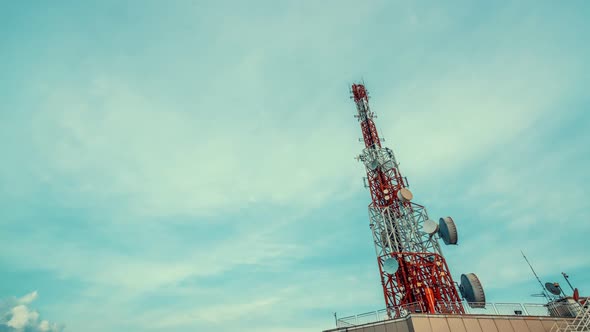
{"x": 44, "y": 326}
{"x": 16, "y": 316}
{"x": 21, "y": 317}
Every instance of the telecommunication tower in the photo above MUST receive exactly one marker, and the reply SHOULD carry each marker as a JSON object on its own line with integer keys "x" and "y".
{"x": 413, "y": 271}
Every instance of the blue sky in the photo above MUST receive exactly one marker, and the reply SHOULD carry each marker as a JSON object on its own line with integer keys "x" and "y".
{"x": 188, "y": 166}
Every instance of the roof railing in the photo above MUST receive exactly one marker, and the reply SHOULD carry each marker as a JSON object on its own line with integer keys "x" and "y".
{"x": 565, "y": 310}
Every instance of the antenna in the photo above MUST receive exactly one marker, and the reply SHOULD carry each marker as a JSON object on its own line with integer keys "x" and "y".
{"x": 536, "y": 276}
{"x": 411, "y": 264}
{"x": 553, "y": 288}
{"x": 447, "y": 230}
{"x": 472, "y": 290}
{"x": 430, "y": 227}
{"x": 390, "y": 265}
{"x": 566, "y": 277}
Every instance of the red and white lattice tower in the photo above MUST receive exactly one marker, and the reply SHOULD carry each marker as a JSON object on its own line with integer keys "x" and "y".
{"x": 414, "y": 273}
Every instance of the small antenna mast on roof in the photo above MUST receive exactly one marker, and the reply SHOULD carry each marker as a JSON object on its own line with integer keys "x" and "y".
{"x": 536, "y": 276}
{"x": 566, "y": 277}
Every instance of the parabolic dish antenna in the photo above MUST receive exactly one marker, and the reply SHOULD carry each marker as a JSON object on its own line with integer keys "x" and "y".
{"x": 553, "y": 288}
{"x": 390, "y": 265}
{"x": 447, "y": 230}
{"x": 472, "y": 290}
{"x": 405, "y": 195}
{"x": 430, "y": 227}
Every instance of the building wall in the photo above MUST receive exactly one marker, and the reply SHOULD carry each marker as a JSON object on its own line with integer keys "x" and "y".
{"x": 463, "y": 323}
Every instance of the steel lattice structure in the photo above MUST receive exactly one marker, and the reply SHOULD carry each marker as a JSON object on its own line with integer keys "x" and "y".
{"x": 423, "y": 278}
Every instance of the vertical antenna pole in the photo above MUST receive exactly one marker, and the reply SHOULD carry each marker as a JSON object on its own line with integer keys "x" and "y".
{"x": 536, "y": 276}
{"x": 566, "y": 277}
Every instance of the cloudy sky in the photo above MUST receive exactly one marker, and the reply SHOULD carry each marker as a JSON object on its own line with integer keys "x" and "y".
{"x": 188, "y": 165}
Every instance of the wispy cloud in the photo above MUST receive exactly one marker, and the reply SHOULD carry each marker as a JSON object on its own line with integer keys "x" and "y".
{"x": 196, "y": 170}
{"x": 172, "y": 161}
{"x": 520, "y": 198}
{"x": 138, "y": 273}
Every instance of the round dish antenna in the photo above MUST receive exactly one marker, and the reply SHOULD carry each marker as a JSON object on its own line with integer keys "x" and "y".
{"x": 553, "y": 288}
{"x": 430, "y": 227}
{"x": 472, "y": 290}
{"x": 447, "y": 230}
{"x": 390, "y": 265}
{"x": 405, "y": 195}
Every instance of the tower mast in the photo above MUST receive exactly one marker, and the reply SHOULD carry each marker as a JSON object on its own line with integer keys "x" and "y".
{"x": 414, "y": 274}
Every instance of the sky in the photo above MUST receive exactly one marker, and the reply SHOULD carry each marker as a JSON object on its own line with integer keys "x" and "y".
{"x": 189, "y": 165}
